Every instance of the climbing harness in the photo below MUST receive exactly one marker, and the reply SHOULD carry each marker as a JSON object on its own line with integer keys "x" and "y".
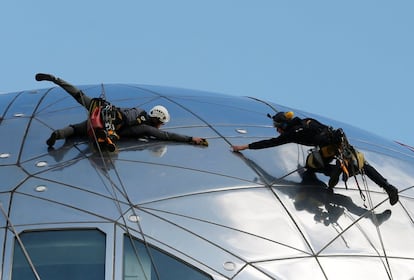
{"x": 104, "y": 120}
{"x": 352, "y": 163}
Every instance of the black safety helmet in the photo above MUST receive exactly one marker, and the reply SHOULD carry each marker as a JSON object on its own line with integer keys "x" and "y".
{"x": 281, "y": 119}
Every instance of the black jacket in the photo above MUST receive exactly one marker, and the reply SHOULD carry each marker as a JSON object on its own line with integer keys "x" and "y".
{"x": 308, "y": 132}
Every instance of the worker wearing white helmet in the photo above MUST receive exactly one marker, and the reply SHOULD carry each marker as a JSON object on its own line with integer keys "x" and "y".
{"x": 161, "y": 113}
{"x": 128, "y": 122}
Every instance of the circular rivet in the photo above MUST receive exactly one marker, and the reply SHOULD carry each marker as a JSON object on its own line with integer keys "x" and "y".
{"x": 41, "y": 188}
{"x": 229, "y": 266}
{"x": 133, "y": 218}
{"x": 41, "y": 163}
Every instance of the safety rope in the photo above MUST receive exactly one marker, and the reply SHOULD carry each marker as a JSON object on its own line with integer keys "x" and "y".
{"x": 340, "y": 232}
{"x": 351, "y": 160}
{"x": 365, "y": 183}
{"x": 368, "y": 198}
{"x": 264, "y": 102}
{"x": 16, "y": 234}
{"x": 371, "y": 205}
{"x": 117, "y": 201}
{"x": 94, "y": 136}
{"x": 144, "y": 240}
{"x": 115, "y": 187}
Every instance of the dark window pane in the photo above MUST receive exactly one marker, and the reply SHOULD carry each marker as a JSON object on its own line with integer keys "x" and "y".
{"x": 65, "y": 254}
{"x": 141, "y": 262}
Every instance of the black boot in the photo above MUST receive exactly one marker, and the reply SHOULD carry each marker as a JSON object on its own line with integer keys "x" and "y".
{"x": 45, "y": 77}
{"x": 76, "y": 93}
{"x": 392, "y": 193}
{"x": 52, "y": 139}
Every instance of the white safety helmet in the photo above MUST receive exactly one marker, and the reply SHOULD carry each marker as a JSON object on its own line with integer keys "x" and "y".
{"x": 161, "y": 113}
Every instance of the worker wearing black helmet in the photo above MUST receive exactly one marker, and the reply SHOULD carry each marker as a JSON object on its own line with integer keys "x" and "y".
{"x": 330, "y": 144}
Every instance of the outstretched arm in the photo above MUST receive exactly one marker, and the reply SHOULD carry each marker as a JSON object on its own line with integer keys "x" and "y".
{"x": 150, "y": 131}
{"x": 260, "y": 144}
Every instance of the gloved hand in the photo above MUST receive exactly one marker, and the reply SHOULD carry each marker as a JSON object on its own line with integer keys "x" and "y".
{"x": 199, "y": 141}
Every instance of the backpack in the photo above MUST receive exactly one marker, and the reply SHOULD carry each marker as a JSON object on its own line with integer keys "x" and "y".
{"x": 101, "y": 127}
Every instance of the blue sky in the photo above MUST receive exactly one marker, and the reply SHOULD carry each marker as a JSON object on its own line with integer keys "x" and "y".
{"x": 351, "y": 61}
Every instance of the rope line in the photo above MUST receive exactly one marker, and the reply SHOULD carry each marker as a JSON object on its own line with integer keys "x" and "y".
{"x": 16, "y": 234}
{"x": 124, "y": 193}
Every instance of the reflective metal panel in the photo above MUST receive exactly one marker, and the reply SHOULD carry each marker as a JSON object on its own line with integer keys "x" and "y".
{"x": 24, "y": 104}
{"x": 401, "y": 268}
{"x": 188, "y": 243}
{"x": 2, "y": 240}
{"x": 225, "y": 110}
{"x": 41, "y": 211}
{"x": 143, "y": 189}
{"x": 169, "y": 155}
{"x": 355, "y": 268}
{"x": 5, "y": 102}
{"x": 94, "y": 203}
{"x": 4, "y": 204}
{"x": 11, "y": 176}
{"x": 294, "y": 269}
{"x": 248, "y": 215}
{"x": 250, "y": 272}
{"x": 15, "y": 128}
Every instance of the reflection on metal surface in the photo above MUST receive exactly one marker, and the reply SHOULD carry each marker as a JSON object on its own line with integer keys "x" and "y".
{"x": 250, "y": 215}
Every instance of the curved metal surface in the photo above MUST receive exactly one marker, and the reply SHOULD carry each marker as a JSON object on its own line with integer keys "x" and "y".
{"x": 231, "y": 215}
